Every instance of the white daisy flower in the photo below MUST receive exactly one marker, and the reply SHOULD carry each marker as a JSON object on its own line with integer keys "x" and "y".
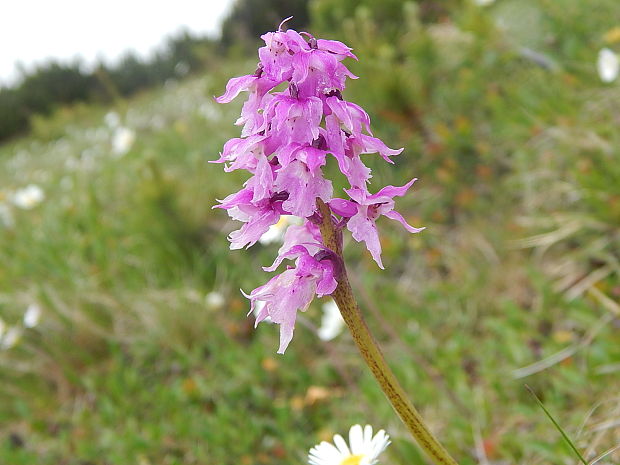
{"x": 363, "y": 448}
{"x": 32, "y": 316}
{"x": 607, "y": 65}
{"x": 10, "y": 337}
{"x": 122, "y": 140}
{"x": 331, "y": 322}
{"x": 28, "y": 197}
{"x": 214, "y": 300}
{"x": 275, "y": 233}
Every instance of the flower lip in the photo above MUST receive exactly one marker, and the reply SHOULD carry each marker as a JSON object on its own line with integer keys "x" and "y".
{"x": 326, "y": 254}
{"x": 344, "y": 208}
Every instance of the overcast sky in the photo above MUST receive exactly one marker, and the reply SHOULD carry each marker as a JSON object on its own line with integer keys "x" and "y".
{"x": 34, "y": 30}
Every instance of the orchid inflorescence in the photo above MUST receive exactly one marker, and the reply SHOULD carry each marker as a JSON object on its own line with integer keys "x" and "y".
{"x": 286, "y": 138}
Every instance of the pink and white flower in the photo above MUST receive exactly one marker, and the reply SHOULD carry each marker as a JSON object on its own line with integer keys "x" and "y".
{"x": 285, "y": 141}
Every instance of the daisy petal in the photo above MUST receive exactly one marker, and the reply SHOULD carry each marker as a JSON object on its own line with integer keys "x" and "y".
{"x": 341, "y": 444}
{"x": 356, "y": 439}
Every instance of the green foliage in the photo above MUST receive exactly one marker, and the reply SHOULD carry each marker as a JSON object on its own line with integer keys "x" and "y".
{"x": 52, "y": 85}
{"x": 13, "y": 116}
{"x": 249, "y": 19}
{"x": 567, "y": 440}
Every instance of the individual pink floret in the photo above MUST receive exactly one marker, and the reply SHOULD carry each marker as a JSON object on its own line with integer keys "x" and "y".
{"x": 369, "y": 208}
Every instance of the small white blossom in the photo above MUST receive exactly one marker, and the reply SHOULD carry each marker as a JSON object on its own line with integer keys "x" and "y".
{"x": 607, "y": 65}
{"x": 214, "y": 300}
{"x": 331, "y": 322}
{"x": 483, "y": 2}
{"x": 275, "y": 233}
{"x": 122, "y": 140}
{"x": 112, "y": 120}
{"x": 363, "y": 448}
{"x": 32, "y": 316}
{"x": 10, "y": 338}
{"x": 28, "y": 197}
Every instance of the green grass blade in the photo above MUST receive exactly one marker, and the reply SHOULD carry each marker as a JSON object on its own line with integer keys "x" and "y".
{"x": 558, "y": 427}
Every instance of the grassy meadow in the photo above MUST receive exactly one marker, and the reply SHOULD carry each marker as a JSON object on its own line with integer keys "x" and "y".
{"x": 515, "y": 281}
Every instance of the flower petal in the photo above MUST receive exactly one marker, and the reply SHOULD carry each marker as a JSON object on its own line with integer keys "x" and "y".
{"x": 235, "y": 86}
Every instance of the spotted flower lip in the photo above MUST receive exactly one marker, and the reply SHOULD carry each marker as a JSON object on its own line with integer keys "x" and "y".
{"x": 287, "y": 138}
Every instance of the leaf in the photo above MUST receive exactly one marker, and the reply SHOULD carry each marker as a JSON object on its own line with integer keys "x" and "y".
{"x": 559, "y": 428}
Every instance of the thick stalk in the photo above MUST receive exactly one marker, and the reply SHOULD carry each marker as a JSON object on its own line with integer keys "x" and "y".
{"x": 370, "y": 351}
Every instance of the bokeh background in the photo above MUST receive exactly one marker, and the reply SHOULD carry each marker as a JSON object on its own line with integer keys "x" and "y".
{"x": 123, "y": 334}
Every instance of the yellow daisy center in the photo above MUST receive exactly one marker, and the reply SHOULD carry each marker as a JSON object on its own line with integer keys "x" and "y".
{"x": 352, "y": 460}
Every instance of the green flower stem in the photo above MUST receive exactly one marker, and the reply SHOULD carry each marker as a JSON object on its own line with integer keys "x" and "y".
{"x": 368, "y": 347}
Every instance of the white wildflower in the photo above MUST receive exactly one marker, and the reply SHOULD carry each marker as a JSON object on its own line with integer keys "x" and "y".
{"x": 275, "y": 233}
{"x": 363, "y": 448}
{"x": 214, "y": 300}
{"x": 28, "y": 197}
{"x": 122, "y": 140}
{"x": 10, "y": 338}
{"x": 32, "y": 316}
{"x": 331, "y": 322}
{"x": 607, "y": 65}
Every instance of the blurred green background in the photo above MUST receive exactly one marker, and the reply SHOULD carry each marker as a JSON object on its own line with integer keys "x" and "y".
{"x": 513, "y": 135}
